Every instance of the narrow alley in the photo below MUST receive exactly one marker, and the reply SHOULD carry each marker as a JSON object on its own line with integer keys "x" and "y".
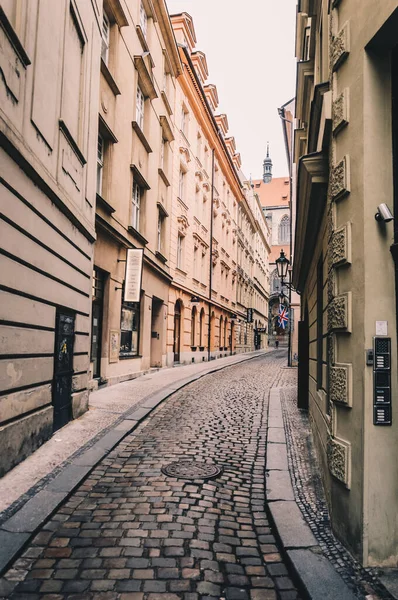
{"x": 130, "y": 532}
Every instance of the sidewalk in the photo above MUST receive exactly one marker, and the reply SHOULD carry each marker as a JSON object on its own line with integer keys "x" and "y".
{"x": 33, "y": 490}
{"x": 296, "y": 501}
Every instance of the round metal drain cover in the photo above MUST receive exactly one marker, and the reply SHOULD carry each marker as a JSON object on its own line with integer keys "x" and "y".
{"x": 192, "y": 470}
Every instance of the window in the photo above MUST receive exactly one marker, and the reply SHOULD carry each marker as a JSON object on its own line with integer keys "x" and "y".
{"x": 162, "y": 149}
{"x": 193, "y": 327}
{"x": 306, "y": 43}
{"x": 199, "y": 146}
{"x": 143, "y": 20}
{"x": 184, "y": 121}
{"x": 129, "y": 328}
{"x": 180, "y": 244}
{"x": 284, "y": 230}
{"x": 202, "y": 268}
{"x": 160, "y": 230}
{"x": 140, "y": 108}
{"x": 181, "y": 184}
{"x": 136, "y": 206}
{"x": 100, "y": 164}
{"x": 201, "y": 327}
{"x": 105, "y": 38}
{"x": 319, "y": 323}
{"x": 195, "y": 262}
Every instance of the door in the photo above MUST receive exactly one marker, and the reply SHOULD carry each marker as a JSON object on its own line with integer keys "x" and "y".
{"x": 177, "y": 332}
{"x": 63, "y": 368}
{"x": 96, "y": 321}
{"x": 156, "y": 332}
{"x": 304, "y": 362}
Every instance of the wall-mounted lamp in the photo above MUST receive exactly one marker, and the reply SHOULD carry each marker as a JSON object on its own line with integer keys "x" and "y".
{"x": 195, "y": 299}
{"x": 383, "y": 214}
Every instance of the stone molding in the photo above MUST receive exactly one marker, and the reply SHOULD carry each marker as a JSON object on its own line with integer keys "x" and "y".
{"x": 341, "y": 246}
{"x": 340, "y": 179}
{"x": 340, "y": 47}
{"x": 339, "y": 460}
{"x": 340, "y": 384}
{"x": 339, "y": 313}
{"x": 340, "y": 111}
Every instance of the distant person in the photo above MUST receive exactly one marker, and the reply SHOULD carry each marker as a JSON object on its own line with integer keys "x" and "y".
{"x": 276, "y": 344}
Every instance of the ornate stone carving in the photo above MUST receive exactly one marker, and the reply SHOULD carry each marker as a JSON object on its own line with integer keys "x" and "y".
{"x": 340, "y": 384}
{"x": 340, "y": 111}
{"x": 339, "y": 313}
{"x": 183, "y": 224}
{"x": 340, "y": 47}
{"x": 340, "y": 179}
{"x": 331, "y": 285}
{"x": 338, "y": 453}
{"x": 341, "y": 246}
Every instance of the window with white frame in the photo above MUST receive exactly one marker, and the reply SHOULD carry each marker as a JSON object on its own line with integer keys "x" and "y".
{"x": 136, "y": 206}
{"x": 100, "y": 163}
{"x": 181, "y": 184}
{"x": 105, "y": 33}
{"x": 140, "y": 108}
{"x": 143, "y": 20}
{"x": 180, "y": 249}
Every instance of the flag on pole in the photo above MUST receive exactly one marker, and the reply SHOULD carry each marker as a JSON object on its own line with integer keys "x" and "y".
{"x": 283, "y": 316}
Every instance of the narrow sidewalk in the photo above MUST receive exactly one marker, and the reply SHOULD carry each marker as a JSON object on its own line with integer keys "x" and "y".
{"x": 107, "y": 409}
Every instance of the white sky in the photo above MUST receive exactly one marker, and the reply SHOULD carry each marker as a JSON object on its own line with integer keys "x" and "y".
{"x": 249, "y": 46}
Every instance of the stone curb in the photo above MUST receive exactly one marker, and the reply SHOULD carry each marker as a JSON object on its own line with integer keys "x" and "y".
{"x": 18, "y": 530}
{"x": 315, "y": 575}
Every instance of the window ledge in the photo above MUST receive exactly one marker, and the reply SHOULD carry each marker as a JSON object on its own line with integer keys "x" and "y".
{"x": 127, "y": 355}
{"x": 141, "y": 136}
{"x": 181, "y": 271}
{"x": 104, "y": 205}
{"x": 137, "y": 235}
{"x": 164, "y": 177}
{"x": 109, "y": 78}
{"x": 166, "y": 102}
{"x": 63, "y": 127}
{"x": 142, "y": 38}
{"x": 161, "y": 257}
{"x": 14, "y": 39}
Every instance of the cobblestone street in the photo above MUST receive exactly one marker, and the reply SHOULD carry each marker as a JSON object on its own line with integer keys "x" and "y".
{"x": 131, "y": 532}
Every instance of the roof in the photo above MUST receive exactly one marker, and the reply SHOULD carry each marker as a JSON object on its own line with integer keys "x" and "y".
{"x": 275, "y": 193}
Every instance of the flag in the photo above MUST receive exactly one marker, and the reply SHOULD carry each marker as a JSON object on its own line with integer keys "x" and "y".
{"x": 283, "y": 316}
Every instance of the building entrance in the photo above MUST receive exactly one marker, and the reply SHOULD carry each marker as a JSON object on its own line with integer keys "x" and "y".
{"x": 63, "y": 368}
{"x": 177, "y": 331}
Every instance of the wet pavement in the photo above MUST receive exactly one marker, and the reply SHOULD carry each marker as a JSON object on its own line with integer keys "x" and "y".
{"x": 130, "y": 532}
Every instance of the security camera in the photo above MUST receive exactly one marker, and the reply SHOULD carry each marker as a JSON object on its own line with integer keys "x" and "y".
{"x": 383, "y": 213}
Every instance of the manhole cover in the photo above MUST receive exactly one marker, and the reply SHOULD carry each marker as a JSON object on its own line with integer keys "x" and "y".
{"x": 191, "y": 470}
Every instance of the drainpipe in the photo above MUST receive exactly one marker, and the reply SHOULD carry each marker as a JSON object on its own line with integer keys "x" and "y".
{"x": 211, "y": 253}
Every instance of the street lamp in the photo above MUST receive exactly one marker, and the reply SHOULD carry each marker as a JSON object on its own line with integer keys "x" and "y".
{"x": 282, "y": 267}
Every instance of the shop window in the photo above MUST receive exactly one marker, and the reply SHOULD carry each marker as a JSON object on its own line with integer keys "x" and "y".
{"x": 129, "y": 328}
{"x": 193, "y": 327}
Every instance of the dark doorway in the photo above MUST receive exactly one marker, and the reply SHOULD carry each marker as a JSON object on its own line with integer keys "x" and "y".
{"x": 63, "y": 368}
{"x": 96, "y": 320}
{"x": 177, "y": 331}
{"x": 304, "y": 361}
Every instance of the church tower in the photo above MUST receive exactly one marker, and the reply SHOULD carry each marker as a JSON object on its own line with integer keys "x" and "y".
{"x": 267, "y": 167}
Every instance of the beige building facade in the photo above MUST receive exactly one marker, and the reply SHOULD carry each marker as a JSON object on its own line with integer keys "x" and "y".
{"x": 345, "y": 262}
{"x": 49, "y": 61}
{"x": 139, "y": 65}
{"x": 217, "y": 261}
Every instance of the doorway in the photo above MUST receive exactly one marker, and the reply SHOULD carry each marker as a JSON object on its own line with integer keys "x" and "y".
{"x": 63, "y": 368}
{"x": 177, "y": 332}
{"x": 96, "y": 320}
{"x": 156, "y": 332}
{"x": 304, "y": 360}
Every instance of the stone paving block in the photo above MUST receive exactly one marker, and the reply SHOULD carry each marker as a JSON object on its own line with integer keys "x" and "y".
{"x": 275, "y": 421}
{"x": 69, "y": 477}
{"x": 90, "y": 457}
{"x": 279, "y": 486}
{"x": 34, "y": 512}
{"x": 318, "y": 576}
{"x": 276, "y": 435}
{"x": 277, "y": 457}
{"x": 139, "y": 413}
{"x": 292, "y": 529}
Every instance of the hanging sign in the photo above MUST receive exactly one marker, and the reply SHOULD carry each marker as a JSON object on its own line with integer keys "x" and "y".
{"x": 133, "y": 277}
{"x": 249, "y": 316}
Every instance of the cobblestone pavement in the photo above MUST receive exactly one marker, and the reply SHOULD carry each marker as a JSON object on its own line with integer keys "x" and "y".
{"x": 132, "y": 533}
{"x": 310, "y": 497}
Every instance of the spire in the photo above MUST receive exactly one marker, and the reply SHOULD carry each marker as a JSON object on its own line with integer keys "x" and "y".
{"x": 267, "y": 167}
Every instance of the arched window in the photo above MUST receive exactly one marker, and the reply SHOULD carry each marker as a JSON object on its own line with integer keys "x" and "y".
{"x": 193, "y": 326}
{"x": 225, "y": 332}
{"x": 284, "y": 230}
{"x": 201, "y": 327}
{"x": 221, "y": 331}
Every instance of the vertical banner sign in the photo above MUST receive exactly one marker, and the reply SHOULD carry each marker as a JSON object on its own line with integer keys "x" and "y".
{"x": 133, "y": 277}
{"x": 249, "y": 316}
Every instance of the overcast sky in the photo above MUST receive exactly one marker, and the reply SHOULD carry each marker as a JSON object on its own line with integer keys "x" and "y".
{"x": 249, "y": 46}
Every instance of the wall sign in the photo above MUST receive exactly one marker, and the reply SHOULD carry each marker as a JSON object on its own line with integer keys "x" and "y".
{"x": 133, "y": 277}
{"x": 249, "y": 317}
{"x": 114, "y": 345}
{"x": 382, "y": 381}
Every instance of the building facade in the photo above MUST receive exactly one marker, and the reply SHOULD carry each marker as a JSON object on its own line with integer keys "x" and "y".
{"x": 345, "y": 261}
{"x": 214, "y": 233}
{"x": 275, "y": 197}
{"x": 48, "y": 100}
{"x": 139, "y": 65}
